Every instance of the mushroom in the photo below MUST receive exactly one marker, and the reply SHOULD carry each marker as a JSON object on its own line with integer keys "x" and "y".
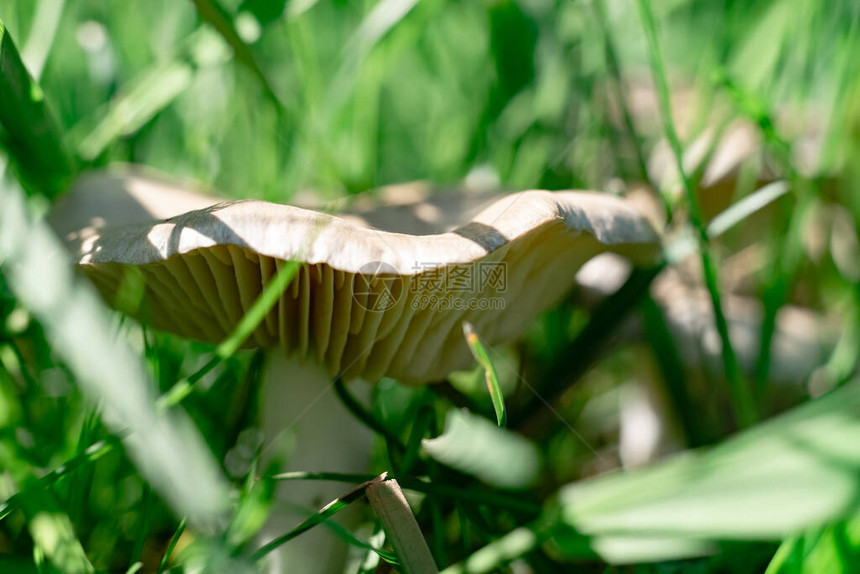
{"x": 802, "y": 342}
{"x": 727, "y": 149}
{"x": 365, "y": 302}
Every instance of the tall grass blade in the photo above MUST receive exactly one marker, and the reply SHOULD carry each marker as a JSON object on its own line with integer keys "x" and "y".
{"x": 42, "y": 34}
{"x": 492, "y": 379}
{"x": 218, "y": 17}
{"x": 54, "y": 535}
{"x": 493, "y": 556}
{"x": 32, "y": 136}
{"x": 834, "y": 549}
{"x": 750, "y": 204}
{"x": 474, "y": 445}
{"x": 578, "y": 355}
{"x": 740, "y": 393}
{"x": 321, "y": 517}
{"x": 171, "y": 546}
{"x": 797, "y": 471}
{"x": 146, "y": 97}
{"x": 167, "y": 448}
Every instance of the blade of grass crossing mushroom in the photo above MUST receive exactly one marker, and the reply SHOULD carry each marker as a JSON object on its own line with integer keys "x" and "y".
{"x": 492, "y": 378}
{"x": 250, "y": 320}
{"x": 258, "y": 311}
{"x": 400, "y": 526}
{"x": 740, "y": 393}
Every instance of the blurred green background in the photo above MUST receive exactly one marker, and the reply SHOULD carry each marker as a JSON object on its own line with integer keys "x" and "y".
{"x": 269, "y": 99}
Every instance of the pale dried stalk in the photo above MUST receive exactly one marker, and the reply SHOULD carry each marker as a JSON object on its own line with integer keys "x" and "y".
{"x": 400, "y": 526}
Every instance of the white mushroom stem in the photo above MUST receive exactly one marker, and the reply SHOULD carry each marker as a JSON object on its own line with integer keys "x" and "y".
{"x": 298, "y": 404}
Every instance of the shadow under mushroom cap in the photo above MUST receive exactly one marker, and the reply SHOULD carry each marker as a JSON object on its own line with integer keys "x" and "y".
{"x": 365, "y": 302}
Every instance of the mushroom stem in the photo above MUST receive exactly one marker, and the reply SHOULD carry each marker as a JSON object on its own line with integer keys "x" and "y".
{"x": 301, "y": 414}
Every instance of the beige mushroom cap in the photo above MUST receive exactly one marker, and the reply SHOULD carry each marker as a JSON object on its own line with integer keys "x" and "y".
{"x": 366, "y": 302}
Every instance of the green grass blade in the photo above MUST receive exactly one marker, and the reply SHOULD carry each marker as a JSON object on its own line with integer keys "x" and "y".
{"x": 517, "y": 504}
{"x": 740, "y": 393}
{"x": 834, "y": 549}
{"x": 258, "y": 311}
{"x": 750, "y": 204}
{"x": 422, "y": 423}
{"x": 789, "y": 251}
{"x": 54, "y": 535}
{"x": 265, "y": 11}
{"x": 147, "y": 94}
{"x": 365, "y": 417}
{"x": 493, "y": 556}
{"x": 171, "y": 546}
{"x": 250, "y": 320}
{"x": 475, "y": 446}
{"x": 669, "y": 362}
{"x": 32, "y": 135}
{"x": 42, "y": 34}
{"x": 145, "y": 98}
{"x": 321, "y": 517}
{"x": 614, "y": 69}
{"x": 483, "y": 358}
{"x": 167, "y": 449}
{"x": 90, "y": 455}
{"x": 371, "y": 559}
{"x": 215, "y": 14}
{"x": 795, "y": 472}
{"x": 580, "y": 353}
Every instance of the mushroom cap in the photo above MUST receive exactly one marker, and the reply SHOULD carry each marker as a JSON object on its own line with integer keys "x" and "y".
{"x": 365, "y": 302}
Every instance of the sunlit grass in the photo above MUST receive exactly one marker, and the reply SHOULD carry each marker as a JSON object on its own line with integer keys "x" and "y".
{"x": 125, "y": 449}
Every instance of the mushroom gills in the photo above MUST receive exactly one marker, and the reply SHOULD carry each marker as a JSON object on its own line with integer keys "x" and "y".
{"x": 327, "y": 314}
